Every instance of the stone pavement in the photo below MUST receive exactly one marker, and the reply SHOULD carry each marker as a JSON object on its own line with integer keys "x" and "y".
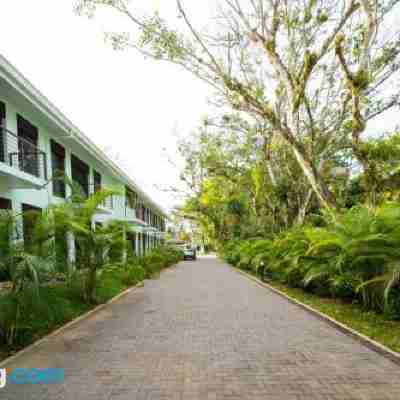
{"x": 203, "y": 331}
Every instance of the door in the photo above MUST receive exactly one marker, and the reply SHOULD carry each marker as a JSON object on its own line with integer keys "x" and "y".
{"x": 28, "y": 157}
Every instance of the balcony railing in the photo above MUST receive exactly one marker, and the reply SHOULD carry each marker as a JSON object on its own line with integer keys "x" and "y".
{"x": 130, "y": 213}
{"x": 109, "y": 202}
{"x": 22, "y": 154}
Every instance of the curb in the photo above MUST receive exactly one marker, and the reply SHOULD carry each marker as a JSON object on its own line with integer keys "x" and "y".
{"x": 359, "y": 337}
{"x": 68, "y": 325}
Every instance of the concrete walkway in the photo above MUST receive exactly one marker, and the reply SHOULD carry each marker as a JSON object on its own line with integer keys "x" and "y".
{"x": 202, "y": 331}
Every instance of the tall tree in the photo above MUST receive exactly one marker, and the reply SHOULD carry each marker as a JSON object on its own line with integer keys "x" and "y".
{"x": 316, "y": 70}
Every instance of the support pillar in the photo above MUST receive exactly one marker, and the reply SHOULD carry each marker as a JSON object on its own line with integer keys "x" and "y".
{"x": 137, "y": 244}
{"x": 124, "y": 249}
{"x": 71, "y": 252}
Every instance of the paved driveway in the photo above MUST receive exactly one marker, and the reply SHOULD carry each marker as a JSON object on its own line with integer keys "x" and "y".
{"x": 202, "y": 331}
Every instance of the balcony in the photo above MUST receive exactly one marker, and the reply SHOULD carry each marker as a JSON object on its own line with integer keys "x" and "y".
{"x": 107, "y": 206}
{"x": 108, "y": 203}
{"x": 131, "y": 217}
{"x": 22, "y": 164}
{"x": 130, "y": 214}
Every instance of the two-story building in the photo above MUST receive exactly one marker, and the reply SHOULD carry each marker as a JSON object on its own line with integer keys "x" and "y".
{"x": 37, "y": 141}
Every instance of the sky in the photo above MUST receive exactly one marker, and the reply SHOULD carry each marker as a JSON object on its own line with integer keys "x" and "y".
{"x": 130, "y": 107}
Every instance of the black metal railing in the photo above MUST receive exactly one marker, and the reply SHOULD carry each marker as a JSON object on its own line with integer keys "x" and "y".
{"x": 22, "y": 154}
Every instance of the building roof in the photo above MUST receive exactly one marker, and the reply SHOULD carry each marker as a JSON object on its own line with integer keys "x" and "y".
{"x": 44, "y": 105}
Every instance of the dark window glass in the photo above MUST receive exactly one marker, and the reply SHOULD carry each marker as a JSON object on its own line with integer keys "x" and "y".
{"x": 5, "y": 204}
{"x": 96, "y": 181}
{"x": 131, "y": 198}
{"x": 28, "y": 157}
{"x": 58, "y": 168}
{"x": 80, "y": 174}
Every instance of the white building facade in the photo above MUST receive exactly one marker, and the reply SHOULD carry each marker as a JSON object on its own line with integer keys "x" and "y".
{"x": 37, "y": 142}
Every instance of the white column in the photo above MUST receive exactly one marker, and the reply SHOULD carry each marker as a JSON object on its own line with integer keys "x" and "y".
{"x": 124, "y": 249}
{"x": 71, "y": 251}
{"x": 49, "y": 186}
{"x": 18, "y": 231}
{"x": 68, "y": 170}
{"x": 91, "y": 180}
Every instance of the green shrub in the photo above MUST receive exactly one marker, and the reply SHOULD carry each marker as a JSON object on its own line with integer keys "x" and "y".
{"x": 354, "y": 256}
{"x": 157, "y": 259}
{"x": 133, "y": 274}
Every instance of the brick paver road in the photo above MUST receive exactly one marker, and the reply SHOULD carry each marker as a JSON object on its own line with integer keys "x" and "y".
{"x": 202, "y": 331}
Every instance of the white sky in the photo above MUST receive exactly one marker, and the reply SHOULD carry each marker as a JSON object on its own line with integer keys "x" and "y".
{"x": 128, "y": 106}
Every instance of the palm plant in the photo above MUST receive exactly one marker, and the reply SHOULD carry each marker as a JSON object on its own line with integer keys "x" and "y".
{"x": 287, "y": 256}
{"x": 7, "y": 226}
{"x": 382, "y": 254}
{"x": 77, "y": 216}
{"x": 357, "y": 252}
{"x": 23, "y": 269}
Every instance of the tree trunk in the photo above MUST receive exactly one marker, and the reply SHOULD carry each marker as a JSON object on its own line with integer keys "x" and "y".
{"x": 324, "y": 195}
{"x": 303, "y": 208}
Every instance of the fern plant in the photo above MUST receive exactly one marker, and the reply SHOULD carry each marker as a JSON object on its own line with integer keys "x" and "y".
{"x": 355, "y": 255}
{"x": 95, "y": 242}
{"x": 24, "y": 270}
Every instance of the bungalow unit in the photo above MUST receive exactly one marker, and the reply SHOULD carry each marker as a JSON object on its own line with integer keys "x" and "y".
{"x": 37, "y": 142}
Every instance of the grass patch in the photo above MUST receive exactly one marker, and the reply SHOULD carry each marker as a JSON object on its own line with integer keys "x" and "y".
{"x": 369, "y": 323}
{"x": 59, "y": 305}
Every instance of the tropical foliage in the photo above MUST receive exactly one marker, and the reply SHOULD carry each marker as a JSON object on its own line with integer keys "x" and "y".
{"x": 32, "y": 267}
{"x": 354, "y": 256}
{"x": 39, "y": 304}
{"x": 315, "y": 73}
{"x": 284, "y": 180}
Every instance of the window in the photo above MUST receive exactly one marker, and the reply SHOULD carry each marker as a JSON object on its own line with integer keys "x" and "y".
{"x": 5, "y": 204}
{"x": 80, "y": 174}
{"x": 96, "y": 181}
{"x": 58, "y": 168}
{"x": 163, "y": 225}
{"x": 28, "y": 157}
{"x": 2, "y": 135}
{"x": 140, "y": 211}
{"x": 130, "y": 198}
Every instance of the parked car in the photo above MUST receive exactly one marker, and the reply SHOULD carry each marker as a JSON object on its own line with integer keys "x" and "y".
{"x": 189, "y": 253}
